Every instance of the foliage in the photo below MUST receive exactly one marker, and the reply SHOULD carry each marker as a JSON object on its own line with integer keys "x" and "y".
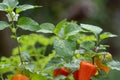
{"x": 72, "y": 43}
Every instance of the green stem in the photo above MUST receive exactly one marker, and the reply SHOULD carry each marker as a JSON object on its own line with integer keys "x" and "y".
{"x": 95, "y": 50}
{"x": 17, "y": 40}
{"x": 19, "y": 52}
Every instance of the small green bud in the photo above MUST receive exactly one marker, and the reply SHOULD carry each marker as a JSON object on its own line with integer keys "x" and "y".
{"x": 13, "y": 30}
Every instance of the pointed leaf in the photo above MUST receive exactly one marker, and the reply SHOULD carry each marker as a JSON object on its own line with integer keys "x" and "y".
{"x": 3, "y": 7}
{"x": 106, "y": 35}
{"x": 24, "y": 7}
{"x": 3, "y": 25}
{"x": 11, "y": 3}
{"x": 28, "y": 24}
{"x": 92, "y": 28}
{"x": 114, "y": 65}
{"x": 103, "y": 47}
{"x": 30, "y": 67}
{"x": 46, "y": 28}
{"x": 25, "y": 56}
{"x": 64, "y": 48}
{"x": 59, "y": 26}
{"x": 88, "y": 45}
{"x": 72, "y": 29}
{"x": 61, "y": 33}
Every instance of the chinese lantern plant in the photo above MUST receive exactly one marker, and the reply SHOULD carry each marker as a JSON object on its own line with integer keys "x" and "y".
{"x": 78, "y": 52}
{"x": 76, "y": 43}
{"x": 19, "y": 77}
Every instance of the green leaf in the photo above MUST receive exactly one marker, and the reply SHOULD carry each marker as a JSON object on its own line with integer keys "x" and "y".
{"x": 45, "y": 60}
{"x": 64, "y": 48}
{"x": 46, "y": 28}
{"x": 60, "y": 77}
{"x": 106, "y": 35}
{"x": 102, "y": 76}
{"x": 28, "y": 24}
{"x": 38, "y": 77}
{"x": 74, "y": 37}
{"x": 114, "y": 75}
{"x": 72, "y": 29}
{"x": 103, "y": 47}
{"x": 88, "y": 45}
{"x": 11, "y": 3}
{"x": 114, "y": 65}
{"x": 30, "y": 67}
{"x": 59, "y": 26}
{"x": 25, "y": 7}
{"x": 6, "y": 68}
{"x": 61, "y": 33}
{"x": 5, "y": 65}
{"x": 3, "y": 7}
{"x": 25, "y": 56}
{"x": 73, "y": 65}
{"x": 3, "y": 25}
{"x": 91, "y": 28}
{"x": 84, "y": 37}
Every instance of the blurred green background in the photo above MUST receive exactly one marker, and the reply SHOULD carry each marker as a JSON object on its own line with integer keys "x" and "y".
{"x": 103, "y": 13}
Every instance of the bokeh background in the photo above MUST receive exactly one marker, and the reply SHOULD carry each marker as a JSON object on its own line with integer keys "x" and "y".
{"x": 103, "y": 13}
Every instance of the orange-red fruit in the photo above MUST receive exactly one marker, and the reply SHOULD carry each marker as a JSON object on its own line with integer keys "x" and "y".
{"x": 86, "y": 71}
{"x": 20, "y": 77}
{"x": 61, "y": 71}
{"x": 75, "y": 74}
{"x": 101, "y": 66}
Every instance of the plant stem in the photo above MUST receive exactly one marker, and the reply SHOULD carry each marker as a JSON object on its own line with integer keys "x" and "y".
{"x": 93, "y": 61}
{"x": 17, "y": 40}
{"x": 19, "y": 52}
{"x": 95, "y": 50}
